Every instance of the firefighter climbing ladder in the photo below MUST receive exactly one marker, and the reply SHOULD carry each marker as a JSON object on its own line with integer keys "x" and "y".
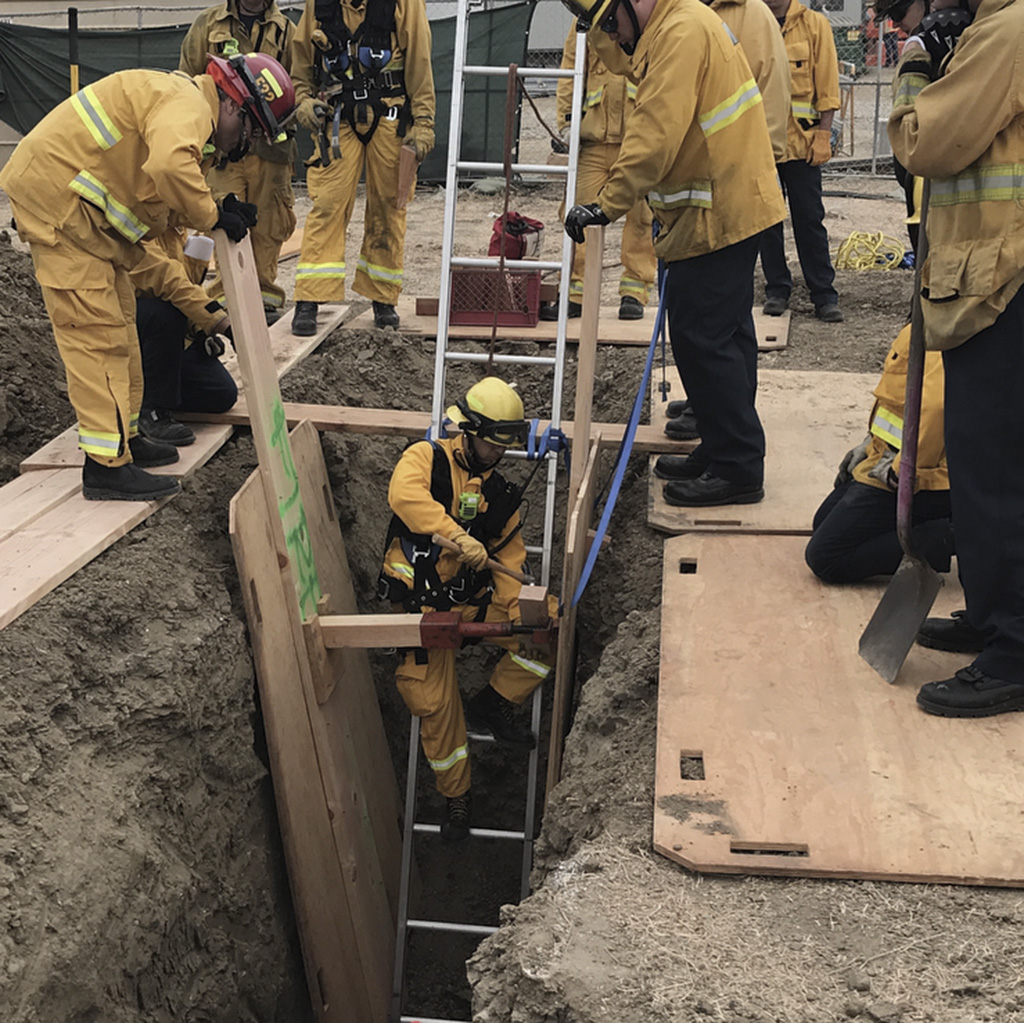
{"x": 445, "y": 355}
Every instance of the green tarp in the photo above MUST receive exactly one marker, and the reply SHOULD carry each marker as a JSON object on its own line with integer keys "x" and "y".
{"x": 35, "y": 74}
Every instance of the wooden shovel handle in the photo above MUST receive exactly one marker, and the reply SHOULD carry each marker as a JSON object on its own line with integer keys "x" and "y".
{"x": 494, "y": 566}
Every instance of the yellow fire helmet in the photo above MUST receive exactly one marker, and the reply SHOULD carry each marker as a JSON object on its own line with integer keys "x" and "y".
{"x": 493, "y": 411}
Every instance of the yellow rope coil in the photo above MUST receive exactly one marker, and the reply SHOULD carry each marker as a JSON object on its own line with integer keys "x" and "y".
{"x": 866, "y": 251}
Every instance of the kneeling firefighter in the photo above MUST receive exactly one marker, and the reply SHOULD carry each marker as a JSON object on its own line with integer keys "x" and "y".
{"x": 451, "y": 487}
{"x": 366, "y": 87}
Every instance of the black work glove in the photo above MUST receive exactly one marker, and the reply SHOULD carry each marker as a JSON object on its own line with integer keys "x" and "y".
{"x": 236, "y": 217}
{"x": 582, "y": 216}
{"x": 939, "y": 31}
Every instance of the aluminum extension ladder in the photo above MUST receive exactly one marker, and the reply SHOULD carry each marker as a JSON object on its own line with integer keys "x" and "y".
{"x": 445, "y": 355}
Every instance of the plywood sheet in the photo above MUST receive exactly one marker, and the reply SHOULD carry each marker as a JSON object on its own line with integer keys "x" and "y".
{"x": 812, "y": 764}
{"x": 51, "y": 547}
{"x": 772, "y": 331}
{"x": 26, "y": 498}
{"x": 810, "y": 420}
{"x": 63, "y": 451}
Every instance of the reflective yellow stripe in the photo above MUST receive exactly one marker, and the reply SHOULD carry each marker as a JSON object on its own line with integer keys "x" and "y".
{"x": 1002, "y": 182}
{"x": 593, "y": 98}
{"x": 95, "y": 118}
{"x": 320, "y": 270}
{"x": 534, "y": 667}
{"x": 631, "y": 90}
{"x": 403, "y": 569}
{"x": 272, "y": 300}
{"x": 627, "y": 286}
{"x": 118, "y": 215}
{"x": 695, "y": 193}
{"x": 745, "y": 97}
{"x": 805, "y": 111}
{"x": 907, "y": 88}
{"x": 449, "y": 762}
{"x": 379, "y": 273}
{"x": 106, "y": 445}
{"x": 888, "y": 426}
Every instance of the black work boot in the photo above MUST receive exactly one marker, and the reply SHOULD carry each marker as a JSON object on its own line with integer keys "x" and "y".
{"x": 970, "y": 693}
{"x": 955, "y": 634}
{"x": 680, "y": 467}
{"x": 304, "y": 319}
{"x": 683, "y": 427}
{"x": 159, "y": 425}
{"x": 124, "y": 483}
{"x": 489, "y": 711}
{"x": 384, "y": 315}
{"x": 630, "y": 308}
{"x": 455, "y": 826}
{"x": 147, "y": 454}
{"x": 549, "y": 311}
{"x": 674, "y": 409}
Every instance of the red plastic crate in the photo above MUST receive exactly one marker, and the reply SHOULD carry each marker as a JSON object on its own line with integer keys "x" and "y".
{"x": 476, "y": 293}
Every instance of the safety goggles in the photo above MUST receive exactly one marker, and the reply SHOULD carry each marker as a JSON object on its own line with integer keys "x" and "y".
{"x": 610, "y": 22}
{"x": 507, "y": 433}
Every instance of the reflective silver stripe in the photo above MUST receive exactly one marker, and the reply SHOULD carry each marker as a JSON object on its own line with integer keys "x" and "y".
{"x": 320, "y": 270}
{"x": 593, "y": 98}
{"x": 888, "y": 426}
{"x": 907, "y": 88}
{"x": 805, "y": 110}
{"x": 105, "y": 444}
{"x": 379, "y": 273}
{"x": 996, "y": 183}
{"x": 698, "y": 193}
{"x": 534, "y": 667}
{"x": 746, "y": 96}
{"x": 449, "y": 762}
{"x": 117, "y": 214}
{"x": 95, "y": 118}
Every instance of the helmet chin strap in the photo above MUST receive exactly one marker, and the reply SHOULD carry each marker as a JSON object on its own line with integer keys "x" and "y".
{"x": 474, "y": 463}
{"x": 630, "y": 47}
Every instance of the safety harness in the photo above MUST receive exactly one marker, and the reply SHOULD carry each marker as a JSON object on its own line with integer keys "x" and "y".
{"x": 353, "y": 76}
{"x": 466, "y": 586}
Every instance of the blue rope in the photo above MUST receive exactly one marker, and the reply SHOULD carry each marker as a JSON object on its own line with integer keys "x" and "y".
{"x": 624, "y": 450}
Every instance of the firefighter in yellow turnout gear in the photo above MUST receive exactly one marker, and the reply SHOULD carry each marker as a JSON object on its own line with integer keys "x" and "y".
{"x": 452, "y": 487}
{"x": 608, "y": 100}
{"x": 118, "y": 162}
{"x": 366, "y": 88}
{"x": 264, "y": 176}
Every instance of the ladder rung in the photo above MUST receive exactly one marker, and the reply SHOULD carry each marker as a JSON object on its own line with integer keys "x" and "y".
{"x": 553, "y": 169}
{"x": 523, "y": 72}
{"x": 428, "y": 1019}
{"x": 443, "y": 925}
{"x": 480, "y": 736}
{"x": 435, "y": 829}
{"x": 514, "y": 360}
{"x": 510, "y": 264}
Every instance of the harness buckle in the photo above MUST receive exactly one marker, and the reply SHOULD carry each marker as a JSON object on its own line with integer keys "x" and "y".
{"x": 392, "y": 114}
{"x": 361, "y": 95}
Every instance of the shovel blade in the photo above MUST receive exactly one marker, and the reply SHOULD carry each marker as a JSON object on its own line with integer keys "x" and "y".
{"x": 890, "y": 634}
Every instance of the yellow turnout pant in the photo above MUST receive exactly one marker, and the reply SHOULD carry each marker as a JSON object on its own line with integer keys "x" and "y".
{"x": 431, "y": 692}
{"x": 320, "y": 276}
{"x": 639, "y": 264}
{"x": 82, "y": 270}
{"x": 269, "y": 186}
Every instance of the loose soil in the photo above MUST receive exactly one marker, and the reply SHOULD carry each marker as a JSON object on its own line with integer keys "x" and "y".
{"x": 141, "y": 872}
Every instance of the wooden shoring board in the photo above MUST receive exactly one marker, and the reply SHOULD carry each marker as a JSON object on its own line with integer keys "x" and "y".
{"x": 381, "y": 422}
{"x": 813, "y": 765}
{"x": 52, "y": 546}
{"x": 63, "y": 451}
{"x": 810, "y": 420}
{"x": 572, "y": 568}
{"x": 772, "y": 331}
{"x": 26, "y": 498}
{"x": 350, "y": 711}
{"x": 318, "y": 879}
{"x": 287, "y": 349}
{"x": 298, "y": 574}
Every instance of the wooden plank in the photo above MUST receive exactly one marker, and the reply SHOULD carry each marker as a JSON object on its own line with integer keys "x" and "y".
{"x": 329, "y": 937}
{"x": 772, "y": 331}
{"x": 810, "y": 420}
{"x": 350, "y": 708}
{"x": 533, "y": 606}
{"x": 812, "y": 765}
{"x": 586, "y": 356}
{"x": 50, "y": 548}
{"x": 287, "y": 349}
{"x": 292, "y": 246}
{"x": 63, "y": 452}
{"x": 401, "y": 423}
{"x": 572, "y": 567}
{"x": 371, "y": 632}
{"x": 26, "y": 498}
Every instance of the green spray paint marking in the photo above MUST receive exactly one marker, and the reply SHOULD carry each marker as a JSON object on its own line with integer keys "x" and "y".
{"x": 293, "y": 519}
